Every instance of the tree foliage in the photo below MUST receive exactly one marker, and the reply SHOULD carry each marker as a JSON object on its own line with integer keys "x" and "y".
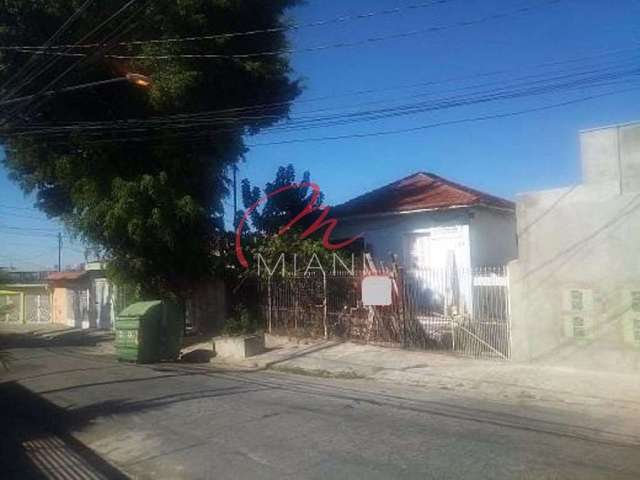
{"x": 279, "y": 209}
{"x": 150, "y": 197}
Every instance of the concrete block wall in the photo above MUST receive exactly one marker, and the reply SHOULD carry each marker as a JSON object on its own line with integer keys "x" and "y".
{"x": 584, "y": 238}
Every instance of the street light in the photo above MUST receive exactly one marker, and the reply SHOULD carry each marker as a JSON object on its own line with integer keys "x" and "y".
{"x": 138, "y": 79}
{"x": 133, "y": 78}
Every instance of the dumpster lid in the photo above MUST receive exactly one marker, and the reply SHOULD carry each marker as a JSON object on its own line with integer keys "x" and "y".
{"x": 140, "y": 308}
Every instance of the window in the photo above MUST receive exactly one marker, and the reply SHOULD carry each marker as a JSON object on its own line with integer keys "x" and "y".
{"x": 635, "y": 301}
{"x": 577, "y": 302}
{"x": 578, "y": 327}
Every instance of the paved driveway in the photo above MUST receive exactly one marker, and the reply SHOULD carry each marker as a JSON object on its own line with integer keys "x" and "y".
{"x": 173, "y": 421}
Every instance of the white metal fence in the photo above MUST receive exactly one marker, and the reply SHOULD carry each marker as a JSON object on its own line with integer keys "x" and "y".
{"x": 466, "y": 311}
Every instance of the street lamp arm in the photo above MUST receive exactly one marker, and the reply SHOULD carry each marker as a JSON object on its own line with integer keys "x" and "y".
{"x": 134, "y": 78}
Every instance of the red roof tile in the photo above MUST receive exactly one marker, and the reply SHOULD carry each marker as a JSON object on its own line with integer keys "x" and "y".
{"x": 53, "y": 276}
{"x": 420, "y": 191}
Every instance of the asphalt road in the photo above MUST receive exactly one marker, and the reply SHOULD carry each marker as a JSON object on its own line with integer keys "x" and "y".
{"x": 174, "y": 421}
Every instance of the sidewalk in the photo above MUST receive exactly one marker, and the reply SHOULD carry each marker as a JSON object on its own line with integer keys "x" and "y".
{"x": 484, "y": 378}
{"x": 511, "y": 382}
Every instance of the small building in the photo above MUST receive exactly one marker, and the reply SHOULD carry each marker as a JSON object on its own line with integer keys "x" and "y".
{"x": 28, "y": 295}
{"x": 445, "y": 235}
{"x": 425, "y": 220}
{"x": 80, "y": 299}
{"x": 83, "y": 299}
{"x": 70, "y": 298}
{"x": 575, "y": 288}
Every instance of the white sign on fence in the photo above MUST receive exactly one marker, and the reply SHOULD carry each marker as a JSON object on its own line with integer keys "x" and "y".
{"x": 376, "y": 290}
{"x": 490, "y": 281}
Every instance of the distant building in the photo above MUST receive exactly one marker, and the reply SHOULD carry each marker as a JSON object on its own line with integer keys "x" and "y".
{"x": 81, "y": 299}
{"x": 28, "y": 296}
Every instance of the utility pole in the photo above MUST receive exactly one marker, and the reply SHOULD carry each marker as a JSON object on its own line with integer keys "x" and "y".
{"x": 59, "y": 251}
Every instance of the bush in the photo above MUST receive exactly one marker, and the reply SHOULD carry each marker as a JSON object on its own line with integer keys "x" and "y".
{"x": 242, "y": 322}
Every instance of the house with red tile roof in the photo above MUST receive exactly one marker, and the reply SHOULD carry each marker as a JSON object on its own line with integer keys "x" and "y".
{"x": 427, "y": 221}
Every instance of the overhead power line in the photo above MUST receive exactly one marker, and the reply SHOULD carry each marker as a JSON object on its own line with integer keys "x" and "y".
{"x": 222, "y": 36}
{"x": 28, "y": 229}
{"x": 111, "y": 36}
{"x": 25, "y": 234}
{"x": 233, "y": 112}
{"x": 366, "y": 41}
{"x": 605, "y": 76}
{"x": 15, "y": 207}
{"x": 19, "y": 215}
{"x": 445, "y": 123}
{"x": 48, "y": 44}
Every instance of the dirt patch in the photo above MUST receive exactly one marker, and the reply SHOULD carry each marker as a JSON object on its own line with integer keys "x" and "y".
{"x": 345, "y": 374}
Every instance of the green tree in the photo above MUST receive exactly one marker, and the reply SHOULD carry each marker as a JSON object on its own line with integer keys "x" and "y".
{"x": 135, "y": 171}
{"x": 283, "y": 207}
{"x": 278, "y": 211}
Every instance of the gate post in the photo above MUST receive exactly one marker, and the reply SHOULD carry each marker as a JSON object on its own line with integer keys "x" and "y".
{"x": 269, "y": 302}
{"x": 404, "y": 307}
{"x": 507, "y": 274}
{"x": 399, "y": 273}
{"x": 324, "y": 305}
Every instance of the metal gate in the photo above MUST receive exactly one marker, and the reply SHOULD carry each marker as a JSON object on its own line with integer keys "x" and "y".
{"x": 37, "y": 308}
{"x": 464, "y": 310}
{"x": 461, "y": 310}
{"x": 79, "y": 300}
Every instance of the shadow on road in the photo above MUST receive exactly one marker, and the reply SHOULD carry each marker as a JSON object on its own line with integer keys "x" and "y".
{"x": 36, "y": 444}
{"x": 39, "y": 338}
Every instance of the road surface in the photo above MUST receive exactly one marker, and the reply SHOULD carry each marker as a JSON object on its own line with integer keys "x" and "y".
{"x": 173, "y": 421}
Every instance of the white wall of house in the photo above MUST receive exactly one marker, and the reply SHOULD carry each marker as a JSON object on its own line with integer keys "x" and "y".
{"x": 493, "y": 237}
{"x": 102, "y": 296}
{"x": 491, "y": 233}
{"x": 572, "y": 287}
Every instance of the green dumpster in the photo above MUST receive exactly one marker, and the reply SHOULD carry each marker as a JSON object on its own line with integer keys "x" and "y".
{"x": 148, "y": 332}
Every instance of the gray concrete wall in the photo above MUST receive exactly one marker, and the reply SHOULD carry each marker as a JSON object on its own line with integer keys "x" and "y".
{"x": 492, "y": 232}
{"x": 582, "y": 243}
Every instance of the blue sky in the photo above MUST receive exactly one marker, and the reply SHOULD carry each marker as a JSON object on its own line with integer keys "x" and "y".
{"x": 502, "y": 156}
